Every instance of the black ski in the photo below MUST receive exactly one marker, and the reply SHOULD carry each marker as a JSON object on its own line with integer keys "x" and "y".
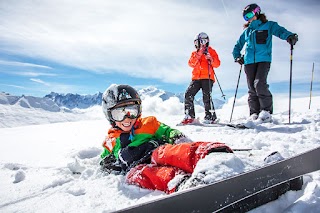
{"x": 237, "y": 126}
{"x": 258, "y": 187}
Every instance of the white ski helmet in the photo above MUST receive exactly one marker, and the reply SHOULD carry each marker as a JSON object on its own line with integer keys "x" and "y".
{"x": 116, "y": 95}
{"x": 201, "y": 38}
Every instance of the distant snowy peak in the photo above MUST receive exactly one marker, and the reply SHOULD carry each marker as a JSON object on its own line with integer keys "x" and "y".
{"x": 155, "y": 92}
{"x": 29, "y": 102}
{"x": 55, "y": 102}
{"x": 7, "y": 99}
{"x": 165, "y": 95}
{"x": 72, "y": 101}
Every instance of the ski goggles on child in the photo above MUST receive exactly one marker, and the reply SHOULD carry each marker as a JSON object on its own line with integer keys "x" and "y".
{"x": 251, "y": 14}
{"x": 199, "y": 42}
{"x": 120, "y": 113}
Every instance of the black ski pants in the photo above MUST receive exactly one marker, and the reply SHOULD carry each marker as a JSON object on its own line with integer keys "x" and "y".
{"x": 260, "y": 98}
{"x": 192, "y": 90}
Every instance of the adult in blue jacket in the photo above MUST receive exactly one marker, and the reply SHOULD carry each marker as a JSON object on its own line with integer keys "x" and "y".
{"x": 257, "y": 58}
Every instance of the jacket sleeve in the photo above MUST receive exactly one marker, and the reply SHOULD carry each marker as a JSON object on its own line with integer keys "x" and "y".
{"x": 167, "y": 134}
{"x": 193, "y": 61}
{"x": 216, "y": 61}
{"x": 109, "y": 143}
{"x": 279, "y": 31}
{"x": 238, "y": 47}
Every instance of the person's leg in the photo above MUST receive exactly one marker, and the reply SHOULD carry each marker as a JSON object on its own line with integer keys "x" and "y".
{"x": 192, "y": 90}
{"x": 262, "y": 87}
{"x": 253, "y": 100}
{"x": 186, "y": 155}
{"x": 154, "y": 177}
{"x": 207, "y": 100}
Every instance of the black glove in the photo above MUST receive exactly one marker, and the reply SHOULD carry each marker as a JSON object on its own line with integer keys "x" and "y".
{"x": 239, "y": 60}
{"x": 132, "y": 156}
{"x": 292, "y": 39}
{"x": 110, "y": 164}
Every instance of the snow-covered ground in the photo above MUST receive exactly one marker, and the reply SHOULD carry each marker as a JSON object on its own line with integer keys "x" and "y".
{"x": 40, "y": 159}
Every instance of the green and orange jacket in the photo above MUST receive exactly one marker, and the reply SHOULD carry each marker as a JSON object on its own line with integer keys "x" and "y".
{"x": 144, "y": 130}
{"x": 200, "y": 66}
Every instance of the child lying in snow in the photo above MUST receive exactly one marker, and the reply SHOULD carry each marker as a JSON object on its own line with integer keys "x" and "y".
{"x": 132, "y": 140}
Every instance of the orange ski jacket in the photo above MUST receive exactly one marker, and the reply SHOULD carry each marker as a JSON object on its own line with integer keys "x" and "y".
{"x": 200, "y": 66}
{"x": 145, "y": 129}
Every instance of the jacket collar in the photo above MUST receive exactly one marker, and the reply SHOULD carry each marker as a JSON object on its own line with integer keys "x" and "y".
{"x": 255, "y": 24}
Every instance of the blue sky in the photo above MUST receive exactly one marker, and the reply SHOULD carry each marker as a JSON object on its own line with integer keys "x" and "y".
{"x": 84, "y": 46}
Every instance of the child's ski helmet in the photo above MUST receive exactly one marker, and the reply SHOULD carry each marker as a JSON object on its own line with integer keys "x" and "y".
{"x": 117, "y": 95}
{"x": 201, "y": 38}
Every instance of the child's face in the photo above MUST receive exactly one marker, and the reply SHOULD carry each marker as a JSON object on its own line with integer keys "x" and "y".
{"x": 127, "y": 124}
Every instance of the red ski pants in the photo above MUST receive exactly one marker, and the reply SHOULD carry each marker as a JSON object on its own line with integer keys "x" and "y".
{"x": 169, "y": 160}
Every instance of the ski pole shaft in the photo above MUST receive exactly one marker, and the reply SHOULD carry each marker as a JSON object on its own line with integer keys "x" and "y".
{"x": 290, "y": 87}
{"x": 215, "y": 75}
{"x": 311, "y": 85}
{"x": 241, "y": 150}
{"x": 210, "y": 87}
{"x": 235, "y": 95}
{"x": 222, "y": 95}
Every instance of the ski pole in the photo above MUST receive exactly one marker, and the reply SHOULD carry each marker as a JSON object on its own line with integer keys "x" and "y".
{"x": 215, "y": 75}
{"x": 222, "y": 95}
{"x": 210, "y": 89}
{"x": 241, "y": 150}
{"x": 235, "y": 95}
{"x": 209, "y": 80}
{"x": 290, "y": 87}
{"x": 210, "y": 65}
{"x": 311, "y": 85}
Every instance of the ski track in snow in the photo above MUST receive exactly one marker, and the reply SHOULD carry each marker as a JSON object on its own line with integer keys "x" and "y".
{"x": 54, "y": 167}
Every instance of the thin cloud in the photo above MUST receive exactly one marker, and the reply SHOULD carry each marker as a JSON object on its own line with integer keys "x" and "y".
{"x": 27, "y": 73}
{"x": 15, "y": 86}
{"x": 39, "y": 81}
{"x": 23, "y": 64}
{"x": 33, "y": 74}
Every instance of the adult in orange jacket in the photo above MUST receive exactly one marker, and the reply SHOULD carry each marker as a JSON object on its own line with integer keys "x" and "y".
{"x": 203, "y": 61}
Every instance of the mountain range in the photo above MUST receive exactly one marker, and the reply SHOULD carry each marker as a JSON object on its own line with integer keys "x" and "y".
{"x": 56, "y": 102}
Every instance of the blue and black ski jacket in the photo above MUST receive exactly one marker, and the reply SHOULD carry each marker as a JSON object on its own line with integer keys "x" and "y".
{"x": 258, "y": 40}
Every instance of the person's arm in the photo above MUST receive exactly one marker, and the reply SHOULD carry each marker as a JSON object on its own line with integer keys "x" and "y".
{"x": 238, "y": 46}
{"x": 283, "y": 33}
{"x": 195, "y": 58}
{"x": 110, "y": 142}
{"x": 215, "y": 62}
{"x": 279, "y": 31}
{"x": 169, "y": 135}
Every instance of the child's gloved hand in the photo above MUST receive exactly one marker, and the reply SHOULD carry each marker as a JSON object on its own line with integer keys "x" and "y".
{"x": 209, "y": 58}
{"x": 110, "y": 164}
{"x": 182, "y": 139}
{"x": 179, "y": 138}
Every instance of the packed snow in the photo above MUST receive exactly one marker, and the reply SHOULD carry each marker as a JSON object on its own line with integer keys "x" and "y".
{"x": 50, "y": 163}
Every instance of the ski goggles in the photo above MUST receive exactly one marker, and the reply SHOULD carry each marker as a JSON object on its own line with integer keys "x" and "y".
{"x": 199, "y": 42}
{"x": 251, "y": 14}
{"x": 120, "y": 113}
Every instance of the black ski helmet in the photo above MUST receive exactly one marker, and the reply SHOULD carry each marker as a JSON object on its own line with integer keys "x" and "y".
{"x": 201, "y": 37}
{"x": 252, "y": 8}
{"x": 117, "y": 95}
